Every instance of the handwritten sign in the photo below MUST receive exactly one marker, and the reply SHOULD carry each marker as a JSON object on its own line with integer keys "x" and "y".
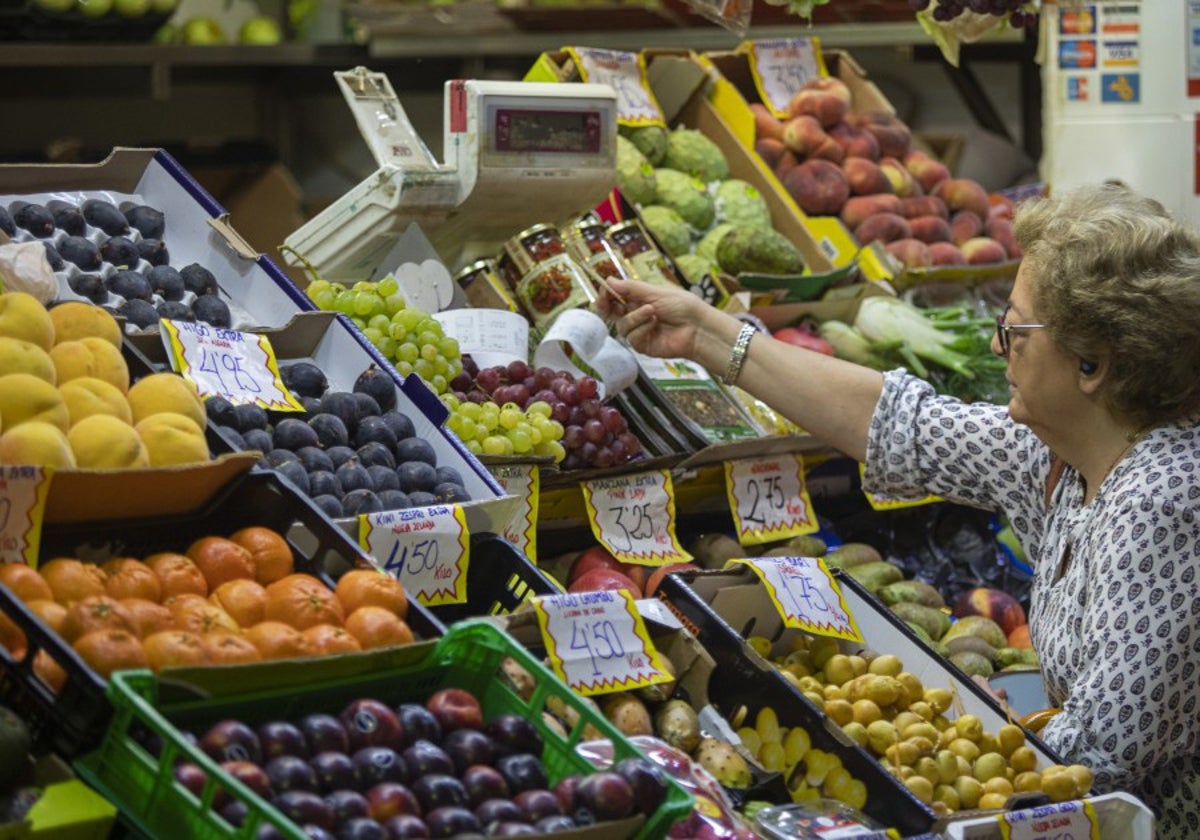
{"x": 426, "y": 549}
{"x": 238, "y": 366}
{"x": 625, "y": 73}
{"x": 597, "y": 642}
{"x": 23, "y": 492}
{"x": 769, "y": 499}
{"x": 880, "y": 502}
{"x": 780, "y": 67}
{"x": 1074, "y": 820}
{"x": 633, "y": 516}
{"x": 806, "y": 596}
{"x": 522, "y": 481}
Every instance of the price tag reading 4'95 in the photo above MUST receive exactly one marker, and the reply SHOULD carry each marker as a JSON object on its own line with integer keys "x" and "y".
{"x": 1061, "y": 820}
{"x": 426, "y": 549}
{"x": 768, "y": 499}
{"x": 240, "y": 367}
{"x": 597, "y": 642}
{"x": 780, "y": 67}
{"x": 633, "y": 516}
{"x": 806, "y": 595}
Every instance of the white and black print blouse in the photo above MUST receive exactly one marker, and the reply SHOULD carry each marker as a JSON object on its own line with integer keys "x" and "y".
{"x": 1119, "y": 633}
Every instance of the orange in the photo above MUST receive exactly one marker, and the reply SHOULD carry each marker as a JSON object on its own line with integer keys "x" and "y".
{"x": 50, "y": 612}
{"x": 174, "y": 648}
{"x": 303, "y": 601}
{"x": 276, "y": 640}
{"x": 25, "y": 582}
{"x": 227, "y": 649}
{"x": 273, "y": 557}
{"x": 129, "y": 578}
{"x": 244, "y": 600}
{"x": 70, "y": 580}
{"x": 147, "y": 617}
{"x": 177, "y": 574}
{"x": 12, "y": 638}
{"x": 201, "y": 617}
{"x": 111, "y": 650}
{"x": 220, "y": 560}
{"x": 49, "y": 671}
{"x": 371, "y": 588}
{"x": 325, "y": 639}
{"x": 378, "y": 627}
{"x": 98, "y": 612}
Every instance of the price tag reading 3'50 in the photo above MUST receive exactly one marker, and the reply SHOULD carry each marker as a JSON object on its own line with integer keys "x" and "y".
{"x": 769, "y": 499}
{"x": 1074, "y": 820}
{"x": 633, "y": 516}
{"x": 426, "y": 549}
{"x": 598, "y": 643}
{"x": 780, "y": 67}
{"x": 240, "y": 367}
{"x": 806, "y": 595}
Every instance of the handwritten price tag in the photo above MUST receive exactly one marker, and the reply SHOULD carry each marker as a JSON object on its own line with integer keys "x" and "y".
{"x": 769, "y": 499}
{"x": 806, "y": 595}
{"x": 625, "y": 73}
{"x": 522, "y": 481}
{"x": 23, "y": 492}
{"x": 598, "y": 643}
{"x": 240, "y": 367}
{"x": 780, "y": 67}
{"x": 633, "y": 516}
{"x": 878, "y": 502}
{"x": 426, "y": 549}
{"x": 1074, "y": 820}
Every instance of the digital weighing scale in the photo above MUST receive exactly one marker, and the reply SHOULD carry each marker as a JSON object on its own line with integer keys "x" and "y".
{"x": 516, "y": 153}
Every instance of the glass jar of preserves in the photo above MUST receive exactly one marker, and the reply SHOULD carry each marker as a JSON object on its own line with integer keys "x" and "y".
{"x": 483, "y": 287}
{"x": 550, "y": 280}
{"x": 638, "y": 250}
{"x": 590, "y": 246}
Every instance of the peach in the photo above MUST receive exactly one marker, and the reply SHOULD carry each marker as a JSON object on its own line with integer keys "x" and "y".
{"x": 963, "y": 194}
{"x": 766, "y": 124}
{"x": 1002, "y": 209}
{"x": 995, "y": 604}
{"x": 825, "y": 98}
{"x": 1001, "y": 230}
{"x": 946, "y": 253}
{"x": 893, "y": 136}
{"x": 883, "y": 227}
{"x": 903, "y": 183}
{"x": 770, "y": 150}
{"x": 925, "y": 205}
{"x": 829, "y": 150}
{"x": 928, "y": 171}
{"x": 965, "y": 225}
{"x": 930, "y": 229}
{"x": 855, "y": 141}
{"x": 818, "y": 186}
{"x": 803, "y": 134}
{"x": 786, "y": 162}
{"x": 912, "y": 252}
{"x": 858, "y": 208}
{"x": 983, "y": 249}
{"x": 865, "y": 177}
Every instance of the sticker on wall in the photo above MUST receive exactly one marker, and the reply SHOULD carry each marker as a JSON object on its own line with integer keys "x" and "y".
{"x": 1077, "y": 88}
{"x": 1081, "y": 21}
{"x": 1120, "y": 19}
{"x": 1120, "y": 54}
{"x": 1123, "y": 88}
{"x": 1077, "y": 55}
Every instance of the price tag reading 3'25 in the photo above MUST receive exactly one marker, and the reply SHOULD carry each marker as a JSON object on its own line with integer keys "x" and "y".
{"x": 240, "y": 367}
{"x": 598, "y": 643}
{"x": 780, "y": 67}
{"x": 426, "y": 549}
{"x": 1074, "y": 820}
{"x": 769, "y": 499}
{"x": 806, "y": 595}
{"x": 625, "y": 73}
{"x": 23, "y": 492}
{"x": 633, "y": 516}
{"x": 522, "y": 481}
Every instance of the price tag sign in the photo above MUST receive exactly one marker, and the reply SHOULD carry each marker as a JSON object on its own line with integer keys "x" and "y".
{"x": 1074, "y": 820}
{"x": 769, "y": 499}
{"x": 878, "y": 502}
{"x": 522, "y": 481}
{"x": 597, "y": 642}
{"x": 806, "y": 596}
{"x": 426, "y": 549}
{"x": 23, "y": 492}
{"x": 624, "y": 72}
{"x": 633, "y": 516}
{"x": 238, "y": 366}
{"x": 781, "y": 66}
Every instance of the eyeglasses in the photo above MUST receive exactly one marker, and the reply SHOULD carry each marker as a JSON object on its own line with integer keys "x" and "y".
{"x": 1004, "y": 331}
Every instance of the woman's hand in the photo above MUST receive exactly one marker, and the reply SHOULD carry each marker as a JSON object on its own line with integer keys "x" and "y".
{"x": 655, "y": 320}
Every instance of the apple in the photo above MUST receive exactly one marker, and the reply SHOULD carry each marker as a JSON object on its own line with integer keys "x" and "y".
{"x": 522, "y": 771}
{"x": 260, "y": 31}
{"x": 537, "y": 803}
{"x": 199, "y": 31}
{"x": 335, "y": 771}
{"x": 648, "y": 781}
{"x": 94, "y": 8}
{"x": 467, "y": 747}
{"x": 303, "y": 806}
{"x": 279, "y": 737}
{"x": 418, "y": 723}
{"x": 388, "y": 799}
{"x": 324, "y": 733}
{"x": 371, "y": 723}
{"x": 347, "y": 804}
{"x": 455, "y": 708}
{"x": 288, "y": 772}
{"x": 407, "y": 827}
{"x": 231, "y": 740}
{"x": 803, "y": 336}
{"x": 163, "y": 7}
{"x": 379, "y": 764}
{"x": 512, "y": 733}
{"x": 131, "y": 8}
{"x": 606, "y": 795}
{"x": 438, "y": 790}
{"x": 484, "y": 783}
{"x": 424, "y": 757}
{"x": 451, "y": 821}
{"x": 498, "y": 810}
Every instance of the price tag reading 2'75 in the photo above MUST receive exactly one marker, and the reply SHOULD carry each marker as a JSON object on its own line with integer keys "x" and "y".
{"x": 1074, "y": 820}
{"x": 598, "y": 643}
{"x": 426, "y": 549}
{"x": 806, "y": 595}
{"x": 769, "y": 499}
{"x": 240, "y": 367}
{"x": 780, "y": 67}
{"x": 633, "y": 516}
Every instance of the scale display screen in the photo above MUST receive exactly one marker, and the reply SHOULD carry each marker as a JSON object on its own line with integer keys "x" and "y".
{"x": 536, "y": 130}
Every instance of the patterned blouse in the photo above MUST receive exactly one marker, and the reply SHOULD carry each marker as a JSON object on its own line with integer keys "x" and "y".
{"x": 1118, "y": 630}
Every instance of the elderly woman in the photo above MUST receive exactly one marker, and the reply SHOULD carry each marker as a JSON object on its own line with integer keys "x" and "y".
{"x": 1095, "y": 460}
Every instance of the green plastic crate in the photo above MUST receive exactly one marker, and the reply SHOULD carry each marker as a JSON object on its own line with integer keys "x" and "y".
{"x": 469, "y": 656}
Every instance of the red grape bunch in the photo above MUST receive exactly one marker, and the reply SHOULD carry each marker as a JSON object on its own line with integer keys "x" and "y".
{"x": 1019, "y": 12}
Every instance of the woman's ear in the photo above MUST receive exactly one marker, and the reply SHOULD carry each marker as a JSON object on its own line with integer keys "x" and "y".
{"x": 1091, "y": 374}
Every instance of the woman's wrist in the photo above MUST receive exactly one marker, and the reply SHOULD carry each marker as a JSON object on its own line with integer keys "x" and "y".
{"x": 716, "y": 336}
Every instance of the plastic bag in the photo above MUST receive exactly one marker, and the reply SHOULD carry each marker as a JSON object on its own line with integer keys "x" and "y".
{"x": 950, "y": 35}
{"x": 733, "y": 15}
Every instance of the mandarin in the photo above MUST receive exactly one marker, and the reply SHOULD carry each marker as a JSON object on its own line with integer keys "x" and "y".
{"x": 228, "y": 649}
{"x": 49, "y": 671}
{"x": 221, "y": 560}
{"x": 325, "y": 639}
{"x": 202, "y": 617}
{"x": 129, "y": 578}
{"x": 99, "y": 612}
{"x": 177, "y": 574}
{"x": 303, "y": 601}
{"x": 245, "y": 600}
{"x": 376, "y": 627}
{"x": 173, "y": 648}
{"x": 12, "y": 638}
{"x": 147, "y": 617}
{"x": 71, "y": 580}
{"x": 371, "y": 588}
{"x": 50, "y": 612}
{"x": 111, "y": 650}
{"x": 25, "y": 582}
{"x": 276, "y": 640}
{"x": 272, "y": 556}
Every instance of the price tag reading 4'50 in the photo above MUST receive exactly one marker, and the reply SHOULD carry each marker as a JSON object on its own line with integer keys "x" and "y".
{"x": 1075, "y": 820}
{"x": 780, "y": 67}
{"x": 769, "y": 499}
{"x": 240, "y": 367}
{"x": 598, "y": 643}
{"x": 806, "y": 595}
{"x": 23, "y": 491}
{"x": 426, "y": 549}
{"x": 625, "y": 73}
{"x": 633, "y": 516}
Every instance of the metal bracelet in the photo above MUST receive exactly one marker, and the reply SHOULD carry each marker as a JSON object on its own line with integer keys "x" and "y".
{"x": 740, "y": 346}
